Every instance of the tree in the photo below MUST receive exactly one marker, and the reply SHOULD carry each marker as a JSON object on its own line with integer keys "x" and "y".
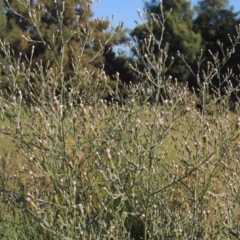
{"x": 216, "y": 22}
{"x": 178, "y": 33}
{"x": 50, "y": 28}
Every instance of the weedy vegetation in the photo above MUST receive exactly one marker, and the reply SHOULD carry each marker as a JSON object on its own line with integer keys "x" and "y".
{"x": 146, "y": 164}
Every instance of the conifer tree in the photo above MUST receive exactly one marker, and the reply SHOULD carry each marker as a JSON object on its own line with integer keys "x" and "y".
{"x": 178, "y": 34}
{"x": 216, "y": 22}
{"x": 53, "y": 27}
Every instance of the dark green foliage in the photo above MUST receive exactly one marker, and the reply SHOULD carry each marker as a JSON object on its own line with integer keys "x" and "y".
{"x": 178, "y": 35}
{"x": 46, "y": 29}
{"x": 208, "y": 26}
{"x": 216, "y": 22}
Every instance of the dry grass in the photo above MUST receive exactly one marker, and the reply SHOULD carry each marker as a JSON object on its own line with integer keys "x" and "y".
{"x": 196, "y": 173}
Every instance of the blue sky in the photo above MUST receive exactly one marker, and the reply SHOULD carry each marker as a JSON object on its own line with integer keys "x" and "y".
{"x": 126, "y": 10}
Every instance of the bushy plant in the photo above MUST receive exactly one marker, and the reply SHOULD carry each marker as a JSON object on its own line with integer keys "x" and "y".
{"x": 87, "y": 168}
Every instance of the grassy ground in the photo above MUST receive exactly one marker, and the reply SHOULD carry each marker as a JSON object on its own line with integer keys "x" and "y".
{"x": 172, "y": 169}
